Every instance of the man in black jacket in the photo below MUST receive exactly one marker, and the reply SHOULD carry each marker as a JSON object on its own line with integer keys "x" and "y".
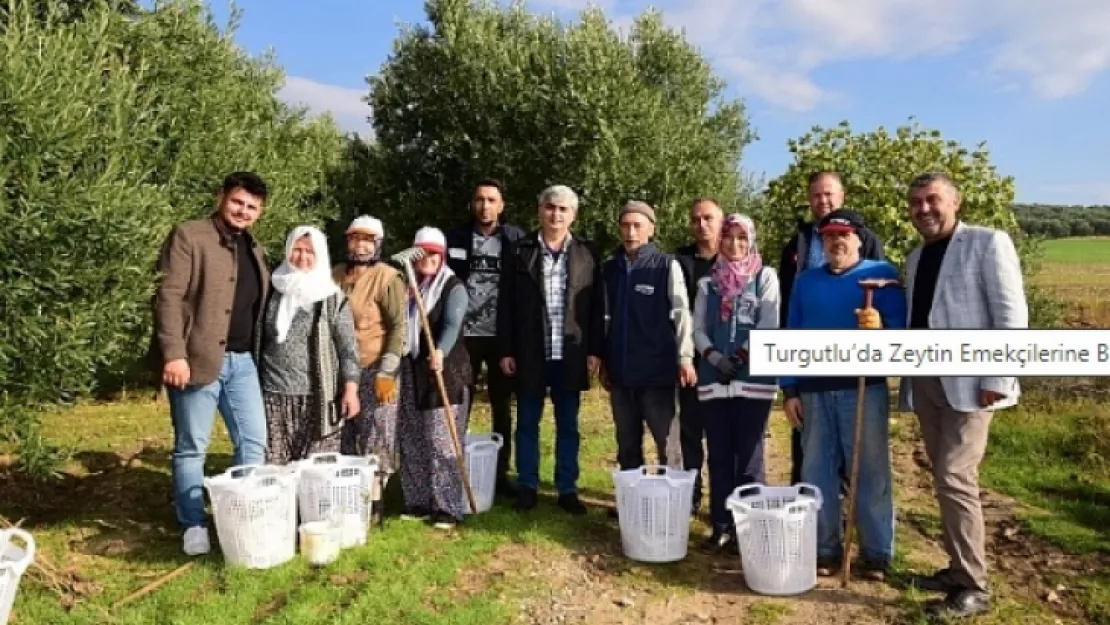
{"x": 476, "y": 252}
{"x": 696, "y": 260}
{"x": 550, "y": 325}
{"x": 805, "y": 251}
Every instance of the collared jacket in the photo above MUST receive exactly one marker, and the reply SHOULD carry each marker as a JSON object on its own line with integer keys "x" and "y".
{"x": 199, "y": 268}
{"x": 522, "y": 317}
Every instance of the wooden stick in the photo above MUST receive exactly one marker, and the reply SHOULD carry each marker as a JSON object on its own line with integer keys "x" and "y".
{"x": 449, "y": 414}
{"x": 846, "y": 562}
{"x": 152, "y": 586}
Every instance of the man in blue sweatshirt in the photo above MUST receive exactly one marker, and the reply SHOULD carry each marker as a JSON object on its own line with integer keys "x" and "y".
{"x": 824, "y": 409}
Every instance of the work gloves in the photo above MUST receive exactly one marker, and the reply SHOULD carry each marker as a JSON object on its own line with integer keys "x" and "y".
{"x": 385, "y": 389}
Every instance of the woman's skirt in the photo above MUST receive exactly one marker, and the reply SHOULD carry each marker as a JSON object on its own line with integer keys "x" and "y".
{"x": 293, "y": 428}
{"x": 374, "y": 430}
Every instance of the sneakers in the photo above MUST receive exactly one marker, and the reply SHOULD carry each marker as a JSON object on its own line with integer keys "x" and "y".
{"x": 873, "y": 570}
{"x": 827, "y": 567}
{"x": 195, "y": 542}
{"x": 444, "y": 521}
{"x": 572, "y": 504}
{"x": 416, "y": 514}
{"x": 722, "y": 542}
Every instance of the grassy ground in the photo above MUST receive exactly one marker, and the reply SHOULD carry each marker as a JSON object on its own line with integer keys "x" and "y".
{"x": 106, "y": 525}
{"x": 1078, "y": 271}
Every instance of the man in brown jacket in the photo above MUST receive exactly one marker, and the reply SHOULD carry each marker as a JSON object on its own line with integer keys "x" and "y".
{"x": 212, "y": 286}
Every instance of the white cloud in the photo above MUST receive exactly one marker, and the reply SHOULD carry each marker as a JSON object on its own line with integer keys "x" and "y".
{"x": 775, "y": 49}
{"x": 346, "y": 105}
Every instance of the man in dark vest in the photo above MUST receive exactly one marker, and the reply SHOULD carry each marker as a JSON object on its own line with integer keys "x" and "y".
{"x": 476, "y": 252}
{"x": 696, "y": 260}
{"x": 648, "y": 339}
{"x": 825, "y": 193}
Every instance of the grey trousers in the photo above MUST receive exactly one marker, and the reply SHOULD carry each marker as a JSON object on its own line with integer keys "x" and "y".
{"x": 955, "y": 443}
{"x": 656, "y": 407}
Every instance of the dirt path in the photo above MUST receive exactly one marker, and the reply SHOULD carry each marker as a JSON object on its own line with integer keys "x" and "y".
{"x": 595, "y": 583}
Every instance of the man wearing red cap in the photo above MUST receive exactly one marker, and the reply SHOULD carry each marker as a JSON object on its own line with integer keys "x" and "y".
{"x": 824, "y": 409}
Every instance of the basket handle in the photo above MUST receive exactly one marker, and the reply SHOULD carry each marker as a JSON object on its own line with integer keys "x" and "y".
{"x": 812, "y": 491}
{"x": 747, "y": 490}
{"x": 19, "y": 566}
{"x": 240, "y": 471}
{"x": 327, "y": 457}
{"x": 653, "y": 470}
{"x": 497, "y": 438}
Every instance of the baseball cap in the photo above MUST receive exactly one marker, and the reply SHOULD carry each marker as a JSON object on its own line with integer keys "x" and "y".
{"x": 430, "y": 239}
{"x": 840, "y": 221}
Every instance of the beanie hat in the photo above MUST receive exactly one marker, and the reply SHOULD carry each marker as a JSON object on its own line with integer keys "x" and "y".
{"x": 430, "y": 239}
{"x": 636, "y": 206}
{"x": 368, "y": 225}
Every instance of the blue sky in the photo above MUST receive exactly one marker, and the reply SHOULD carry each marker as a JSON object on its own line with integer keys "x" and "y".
{"x": 1029, "y": 77}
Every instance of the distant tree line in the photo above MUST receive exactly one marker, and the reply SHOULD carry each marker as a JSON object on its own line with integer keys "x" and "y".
{"x": 1053, "y": 221}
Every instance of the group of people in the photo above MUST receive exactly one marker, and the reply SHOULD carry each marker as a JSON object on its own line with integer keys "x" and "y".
{"x": 314, "y": 358}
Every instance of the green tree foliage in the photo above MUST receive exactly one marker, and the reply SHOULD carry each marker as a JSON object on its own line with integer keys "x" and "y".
{"x": 114, "y": 128}
{"x": 1054, "y": 222}
{"x": 876, "y": 168}
{"x": 489, "y": 91}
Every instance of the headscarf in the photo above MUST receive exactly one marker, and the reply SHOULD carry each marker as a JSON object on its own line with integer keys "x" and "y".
{"x": 731, "y": 277}
{"x": 302, "y": 289}
{"x": 371, "y": 226}
{"x": 431, "y": 287}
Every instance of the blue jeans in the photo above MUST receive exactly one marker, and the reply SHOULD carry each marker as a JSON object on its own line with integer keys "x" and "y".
{"x": 828, "y": 431}
{"x": 529, "y": 412}
{"x": 238, "y": 396}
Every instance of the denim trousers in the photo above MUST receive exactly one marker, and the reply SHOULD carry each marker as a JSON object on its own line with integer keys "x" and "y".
{"x": 529, "y": 413}
{"x": 828, "y": 432}
{"x": 237, "y": 394}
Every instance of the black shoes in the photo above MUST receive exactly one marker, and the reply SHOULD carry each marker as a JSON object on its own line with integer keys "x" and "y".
{"x": 444, "y": 521}
{"x": 572, "y": 504}
{"x": 505, "y": 488}
{"x": 526, "y": 498}
{"x": 722, "y": 542}
{"x": 959, "y": 604}
{"x": 941, "y": 581}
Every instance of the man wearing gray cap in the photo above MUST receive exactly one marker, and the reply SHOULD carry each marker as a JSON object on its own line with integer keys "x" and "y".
{"x": 648, "y": 337}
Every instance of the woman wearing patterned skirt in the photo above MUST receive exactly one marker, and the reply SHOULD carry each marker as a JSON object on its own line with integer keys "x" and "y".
{"x": 376, "y": 292}
{"x": 430, "y": 476}
{"x": 306, "y": 350}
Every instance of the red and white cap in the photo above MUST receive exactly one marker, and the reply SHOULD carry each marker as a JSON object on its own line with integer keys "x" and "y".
{"x": 430, "y": 240}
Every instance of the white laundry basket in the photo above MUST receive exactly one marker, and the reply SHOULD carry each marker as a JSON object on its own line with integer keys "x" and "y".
{"x": 653, "y": 506}
{"x": 481, "y": 465}
{"x": 776, "y": 528}
{"x": 14, "y": 560}
{"x": 337, "y": 488}
{"x": 255, "y": 509}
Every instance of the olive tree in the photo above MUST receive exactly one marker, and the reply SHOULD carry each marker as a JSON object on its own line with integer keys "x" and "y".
{"x": 876, "y": 168}
{"x": 115, "y": 127}
{"x": 491, "y": 91}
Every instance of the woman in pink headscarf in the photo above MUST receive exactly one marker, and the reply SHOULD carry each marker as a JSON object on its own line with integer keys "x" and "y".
{"x": 739, "y": 294}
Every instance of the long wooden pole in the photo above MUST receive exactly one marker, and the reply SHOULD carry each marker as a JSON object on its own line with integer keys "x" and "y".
{"x": 846, "y": 563}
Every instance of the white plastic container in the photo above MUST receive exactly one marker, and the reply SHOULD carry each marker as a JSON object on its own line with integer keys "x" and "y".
{"x": 337, "y": 488}
{"x": 255, "y": 510}
{"x": 481, "y": 465}
{"x": 320, "y": 542}
{"x": 776, "y": 527}
{"x": 14, "y": 560}
{"x": 653, "y": 506}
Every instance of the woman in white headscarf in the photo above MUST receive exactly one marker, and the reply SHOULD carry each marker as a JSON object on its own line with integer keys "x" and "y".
{"x": 430, "y": 479}
{"x": 307, "y": 353}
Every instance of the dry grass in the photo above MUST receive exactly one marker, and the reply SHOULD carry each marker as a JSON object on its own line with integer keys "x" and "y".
{"x": 1078, "y": 272}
